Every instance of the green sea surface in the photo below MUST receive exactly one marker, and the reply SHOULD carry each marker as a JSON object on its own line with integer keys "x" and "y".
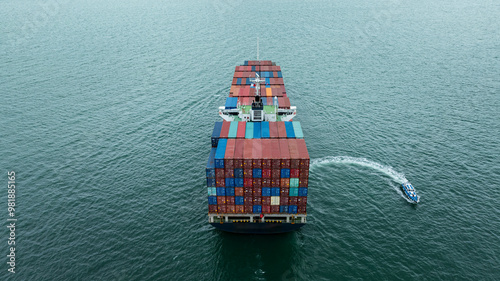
{"x": 108, "y": 108}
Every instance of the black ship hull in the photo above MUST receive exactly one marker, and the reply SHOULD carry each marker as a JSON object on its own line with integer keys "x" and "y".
{"x": 258, "y": 228}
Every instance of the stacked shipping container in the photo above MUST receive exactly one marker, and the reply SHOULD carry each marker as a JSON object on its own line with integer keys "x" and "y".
{"x": 258, "y": 176}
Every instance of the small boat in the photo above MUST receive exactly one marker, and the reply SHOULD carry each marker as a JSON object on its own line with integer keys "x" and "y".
{"x": 410, "y": 191}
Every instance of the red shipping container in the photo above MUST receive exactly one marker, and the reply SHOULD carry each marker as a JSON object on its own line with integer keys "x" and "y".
{"x": 284, "y": 200}
{"x": 302, "y": 200}
{"x": 285, "y": 183}
{"x": 247, "y": 154}
{"x": 257, "y": 191}
{"x": 248, "y": 209}
{"x": 238, "y": 154}
{"x": 247, "y": 191}
{"x": 304, "y": 173}
{"x": 266, "y": 201}
{"x": 257, "y": 154}
{"x": 235, "y": 81}
{"x": 275, "y": 182}
{"x": 239, "y": 209}
{"x": 285, "y": 154}
{"x": 275, "y": 173}
{"x": 266, "y": 173}
{"x": 275, "y": 154}
{"x": 273, "y": 129}
{"x": 238, "y": 191}
{"x": 240, "y": 133}
{"x": 229, "y": 173}
{"x": 247, "y": 182}
{"x": 221, "y": 200}
{"x": 266, "y": 209}
{"x": 248, "y": 200}
{"x": 292, "y": 200}
{"x": 247, "y": 163}
{"x": 266, "y": 182}
{"x": 229, "y": 154}
{"x": 284, "y": 191}
{"x": 230, "y": 200}
{"x": 294, "y": 173}
{"x": 257, "y": 200}
{"x": 247, "y": 173}
{"x": 220, "y": 182}
{"x": 303, "y": 182}
{"x": 301, "y": 209}
{"x": 275, "y": 209}
{"x": 281, "y": 130}
{"x": 303, "y": 154}
{"x": 222, "y": 209}
{"x": 281, "y": 103}
{"x": 266, "y": 152}
{"x": 219, "y": 173}
{"x": 231, "y": 209}
{"x": 212, "y": 208}
{"x": 224, "y": 131}
{"x": 257, "y": 183}
{"x": 294, "y": 154}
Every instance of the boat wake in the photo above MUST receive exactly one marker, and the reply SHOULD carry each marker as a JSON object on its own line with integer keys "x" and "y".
{"x": 387, "y": 170}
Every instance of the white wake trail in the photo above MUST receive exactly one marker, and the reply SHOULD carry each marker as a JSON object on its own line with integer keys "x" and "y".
{"x": 387, "y": 170}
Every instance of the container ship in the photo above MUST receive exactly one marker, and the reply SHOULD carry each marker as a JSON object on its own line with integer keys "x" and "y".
{"x": 258, "y": 167}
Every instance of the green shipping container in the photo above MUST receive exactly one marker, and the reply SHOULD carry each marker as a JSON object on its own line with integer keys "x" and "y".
{"x": 249, "y": 131}
{"x": 298, "y": 130}
{"x": 294, "y": 182}
{"x": 233, "y": 129}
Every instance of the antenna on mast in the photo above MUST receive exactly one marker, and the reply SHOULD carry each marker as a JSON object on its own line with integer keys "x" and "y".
{"x": 257, "y": 47}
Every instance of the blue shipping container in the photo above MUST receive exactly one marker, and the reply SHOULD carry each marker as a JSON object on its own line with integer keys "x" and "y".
{"x": 257, "y": 209}
{"x": 257, "y": 173}
{"x": 256, "y": 130}
{"x": 216, "y": 133}
{"x": 285, "y": 173}
{"x": 292, "y": 209}
{"x": 221, "y": 191}
{"x": 238, "y": 182}
{"x": 210, "y": 182}
{"x": 294, "y": 191}
{"x": 275, "y": 191}
{"x": 229, "y": 191}
{"x": 266, "y": 191}
{"x": 284, "y": 209}
{"x": 212, "y": 200}
{"x": 219, "y": 154}
{"x": 289, "y": 130}
{"x": 230, "y": 183}
{"x": 302, "y": 191}
{"x": 228, "y": 104}
{"x": 239, "y": 200}
{"x": 265, "y": 130}
{"x": 211, "y": 164}
{"x": 238, "y": 173}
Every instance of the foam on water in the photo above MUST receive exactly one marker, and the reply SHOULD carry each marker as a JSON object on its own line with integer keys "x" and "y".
{"x": 387, "y": 170}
